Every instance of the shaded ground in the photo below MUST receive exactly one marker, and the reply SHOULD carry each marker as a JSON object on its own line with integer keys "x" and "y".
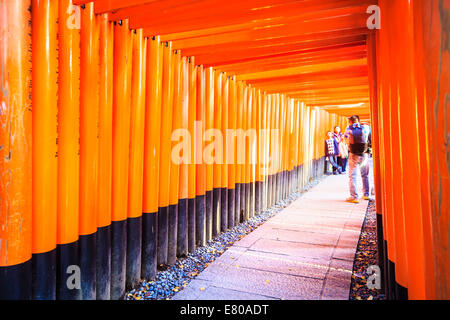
{"x": 366, "y": 255}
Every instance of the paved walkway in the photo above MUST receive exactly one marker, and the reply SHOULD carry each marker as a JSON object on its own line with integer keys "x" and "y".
{"x": 304, "y": 252}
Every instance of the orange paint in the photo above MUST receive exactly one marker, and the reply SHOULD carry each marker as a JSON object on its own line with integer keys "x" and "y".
{"x": 152, "y": 133}
{"x": 200, "y": 170}
{"x": 137, "y": 125}
{"x": 44, "y": 159}
{"x": 166, "y": 125}
{"x": 123, "y": 57}
{"x": 105, "y": 121}
{"x": 177, "y": 122}
{"x": 16, "y": 121}
{"x": 68, "y": 127}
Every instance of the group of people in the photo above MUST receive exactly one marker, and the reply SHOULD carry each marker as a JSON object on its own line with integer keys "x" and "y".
{"x": 336, "y": 151}
{"x": 352, "y": 147}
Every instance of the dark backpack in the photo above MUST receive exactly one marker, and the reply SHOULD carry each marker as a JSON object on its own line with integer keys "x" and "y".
{"x": 358, "y": 145}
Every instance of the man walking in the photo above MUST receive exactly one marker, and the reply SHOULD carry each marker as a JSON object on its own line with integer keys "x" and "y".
{"x": 358, "y": 136}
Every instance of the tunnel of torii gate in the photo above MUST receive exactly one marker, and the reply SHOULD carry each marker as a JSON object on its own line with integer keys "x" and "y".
{"x": 96, "y": 96}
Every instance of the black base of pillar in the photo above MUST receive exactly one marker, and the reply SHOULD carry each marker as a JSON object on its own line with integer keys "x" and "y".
{"x": 200, "y": 220}
{"x": 103, "y": 278}
{"x": 163, "y": 237}
{"x": 209, "y": 214}
{"x": 380, "y": 246}
{"x": 401, "y": 292}
{"x": 88, "y": 265}
{"x": 248, "y": 197}
{"x": 258, "y": 197}
{"x": 15, "y": 282}
{"x": 66, "y": 256}
{"x": 391, "y": 281}
{"x": 149, "y": 245}
{"x": 44, "y": 275}
{"x": 242, "y": 205}
{"x": 182, "y": 230}
{"x": 134, "y": 252}
{"x": 118, "y": 258}
{"x": 237, "y": 204}
{"x": 173, "y": 234}
{"x": 216, "y": 211}
{"x": 224, "y": 209}
{"x": 191, "y": 225}
{"x": 231, "y": 207}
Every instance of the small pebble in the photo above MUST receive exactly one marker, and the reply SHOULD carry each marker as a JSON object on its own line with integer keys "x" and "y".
{"x": 366, "y": 255}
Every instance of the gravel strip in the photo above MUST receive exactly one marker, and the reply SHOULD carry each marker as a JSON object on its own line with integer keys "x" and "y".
{"x": 176, "y": 277}
{"x": 366, "y": 255}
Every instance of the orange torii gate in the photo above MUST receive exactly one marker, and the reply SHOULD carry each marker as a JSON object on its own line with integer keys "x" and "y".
{"x": 93, "y": 91}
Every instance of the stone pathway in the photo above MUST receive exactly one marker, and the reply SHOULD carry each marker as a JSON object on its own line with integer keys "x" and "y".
{"x": 304, "y": 252}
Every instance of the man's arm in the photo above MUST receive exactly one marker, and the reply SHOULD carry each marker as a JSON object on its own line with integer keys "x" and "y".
{"x": 347, "y": 133}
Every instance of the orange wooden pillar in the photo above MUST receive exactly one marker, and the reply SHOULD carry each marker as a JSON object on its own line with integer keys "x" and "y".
{"x": 270, "y": 152}
{"x": 44, "y": 158}
{"x": 295, "y": 147}
{"x": 200, "y": 169}
{"x": 164, "y": 161}
{"x": 278, "y": 147}
{"x": 290, "y": 152}
{"x": 152, "y": 144}
{"x": 224, "y": 168}
{"x": 253, "y": 152}
{"x": 103, "y": 254}
{"x": 422, "y": 119}
{"x": 263, "y": 144}
{"x": 89, "y": 112}
{"x": 174, "y": 163}
{"x": 312, "y": 112}
{"x": 16, "y": 154}
{"x": 182, "y": 228}
{"x": 123, "y": 57}
{"x": 136, "y": 160}
{"x": 259, "y": 154}
{"x": 283, "y": 147}
{"x": 385, "y": 150}
{"x": 246, "y": 167}
{"x": 302, "y": 138}
{"x": 409, "y": 131}
{"x": 433, "y": 62}
{"x": 240, "y": 152}
{"x": 286, "y": 116}
{"x": 397, "y": 210}
{"x": 209, "y": 129}
{"x": 374, "y": 112}
{"x": 68, "y": 150}
{"x": 218, "y": 154}
{"x": 401, "y": 263}
{"x": 231, "y": 152}
{"x": 192, "y": 163}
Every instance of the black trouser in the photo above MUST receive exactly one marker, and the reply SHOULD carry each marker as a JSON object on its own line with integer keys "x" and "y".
{"x": 333, "y": 162}
{"x": 342, "y": 162}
